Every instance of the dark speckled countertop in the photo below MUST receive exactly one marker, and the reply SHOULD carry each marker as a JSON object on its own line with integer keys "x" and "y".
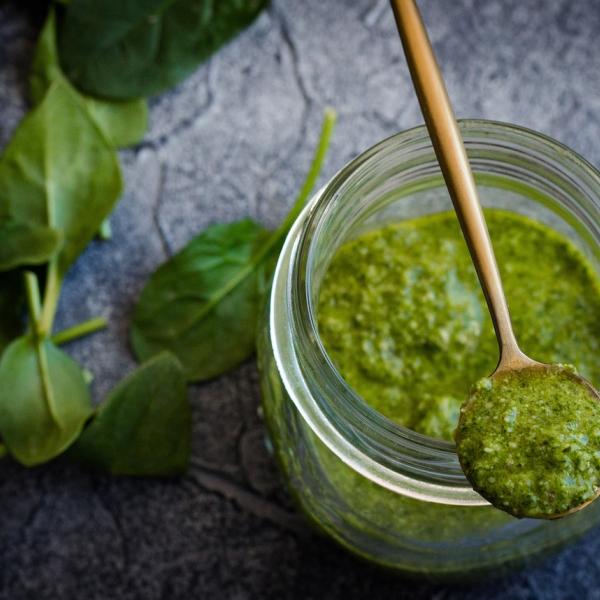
{"x": 233, "y": 140}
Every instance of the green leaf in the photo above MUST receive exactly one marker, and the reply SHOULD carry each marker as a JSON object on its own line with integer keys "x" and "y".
{"x": 12, "y": 305}
{"x": 123, "y": 123}
{"x": 23, "y": 243}
{"x": 144, "y": 426}
{"x": 203, "y": 304}
{"x": 127, "y": 49}
{"x": 44, "y": 403}
{"x": 59, "y": 171}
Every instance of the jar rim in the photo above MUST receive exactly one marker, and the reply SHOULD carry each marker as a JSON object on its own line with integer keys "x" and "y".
{"x": 362, "y": 437}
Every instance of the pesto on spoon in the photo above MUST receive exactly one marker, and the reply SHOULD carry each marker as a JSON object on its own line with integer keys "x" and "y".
{"x": 528, "y": 438}
{"x": 529, "y": 441}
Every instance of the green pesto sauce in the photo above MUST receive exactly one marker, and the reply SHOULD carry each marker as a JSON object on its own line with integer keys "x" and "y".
{"x": 402, "y": 316}
{"x": 529, "y": 441}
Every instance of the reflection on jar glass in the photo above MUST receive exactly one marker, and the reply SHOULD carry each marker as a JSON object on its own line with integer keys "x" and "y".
{"x": 389, "y": 494}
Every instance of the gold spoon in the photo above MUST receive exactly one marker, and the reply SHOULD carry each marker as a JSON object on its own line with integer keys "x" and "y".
{"x": 451, "y": 154}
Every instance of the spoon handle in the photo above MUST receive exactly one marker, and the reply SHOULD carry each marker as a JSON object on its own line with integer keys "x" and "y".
{"x": 450, "y": 151}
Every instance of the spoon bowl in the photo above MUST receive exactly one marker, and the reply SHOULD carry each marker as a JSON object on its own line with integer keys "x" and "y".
{"x": 527, "y": 440}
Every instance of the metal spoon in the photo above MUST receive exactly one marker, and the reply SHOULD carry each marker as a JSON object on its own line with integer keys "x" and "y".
{"x": 450, "y": 151}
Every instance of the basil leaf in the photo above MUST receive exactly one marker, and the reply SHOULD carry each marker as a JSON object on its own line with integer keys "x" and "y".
{"x": 60, "y": 171}
{"x": 203, "y": 304}
{"x": 123, "y": 123}
{"x": 127, "y": 49}
{"x": 144, "y": 426}
{"x": 45, "y": 401}
{"x": 12, "y": 305}
{"x": 23, "y": 243}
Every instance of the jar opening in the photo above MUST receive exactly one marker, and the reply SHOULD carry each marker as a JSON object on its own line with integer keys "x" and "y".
{"x": 529, "y": 170}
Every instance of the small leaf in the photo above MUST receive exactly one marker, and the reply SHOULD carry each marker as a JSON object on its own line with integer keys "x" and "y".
{"x": 59, "y": 171}
{"x": 123, "y": 123}
{"x": 144, "y": 426}
{"x": 203, "y": 304}
{"x": 12, "y": 306}
{"x": 123, "y": 49}
{"x": 44, "y": 400}
{"x": 23, "y": 243}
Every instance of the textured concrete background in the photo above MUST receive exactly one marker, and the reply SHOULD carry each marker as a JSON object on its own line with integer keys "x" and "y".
{"x": 234, "y": 140}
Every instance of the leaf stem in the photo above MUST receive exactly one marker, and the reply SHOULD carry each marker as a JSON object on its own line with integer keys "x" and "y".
{"x": 51, "y": 296}
{"x": 314, "y": 171}
{"x": 79, "y": 330}
{"x": 329, "y": 119}
{"x": 32, "y": 291}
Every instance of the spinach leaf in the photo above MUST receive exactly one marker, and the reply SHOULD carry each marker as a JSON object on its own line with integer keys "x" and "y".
{"x": 203, "y": 304}
{"x": 12, "y": 304}
{"x": 44, "y": 403}
{"x": 59, "y": 171}
{"x": 127, "y": 49}
{"x": 144, "y": 426}
{"x": 123, "y": 123}
{"x": 24, "y": 243}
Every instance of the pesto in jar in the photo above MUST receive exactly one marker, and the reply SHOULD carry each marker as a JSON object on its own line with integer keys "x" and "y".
{"x": 529, "y": 441}
{"x": 402, "y": 316}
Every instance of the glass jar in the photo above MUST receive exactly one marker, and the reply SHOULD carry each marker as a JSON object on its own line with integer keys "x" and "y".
{"x": 386, "y": 493}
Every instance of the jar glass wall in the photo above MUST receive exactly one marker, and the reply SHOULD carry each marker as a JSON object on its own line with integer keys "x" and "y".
{"x": 391, "y": 495}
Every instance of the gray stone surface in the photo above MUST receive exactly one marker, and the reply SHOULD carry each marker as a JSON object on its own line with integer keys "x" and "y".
{"x": 234, "y": 140}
